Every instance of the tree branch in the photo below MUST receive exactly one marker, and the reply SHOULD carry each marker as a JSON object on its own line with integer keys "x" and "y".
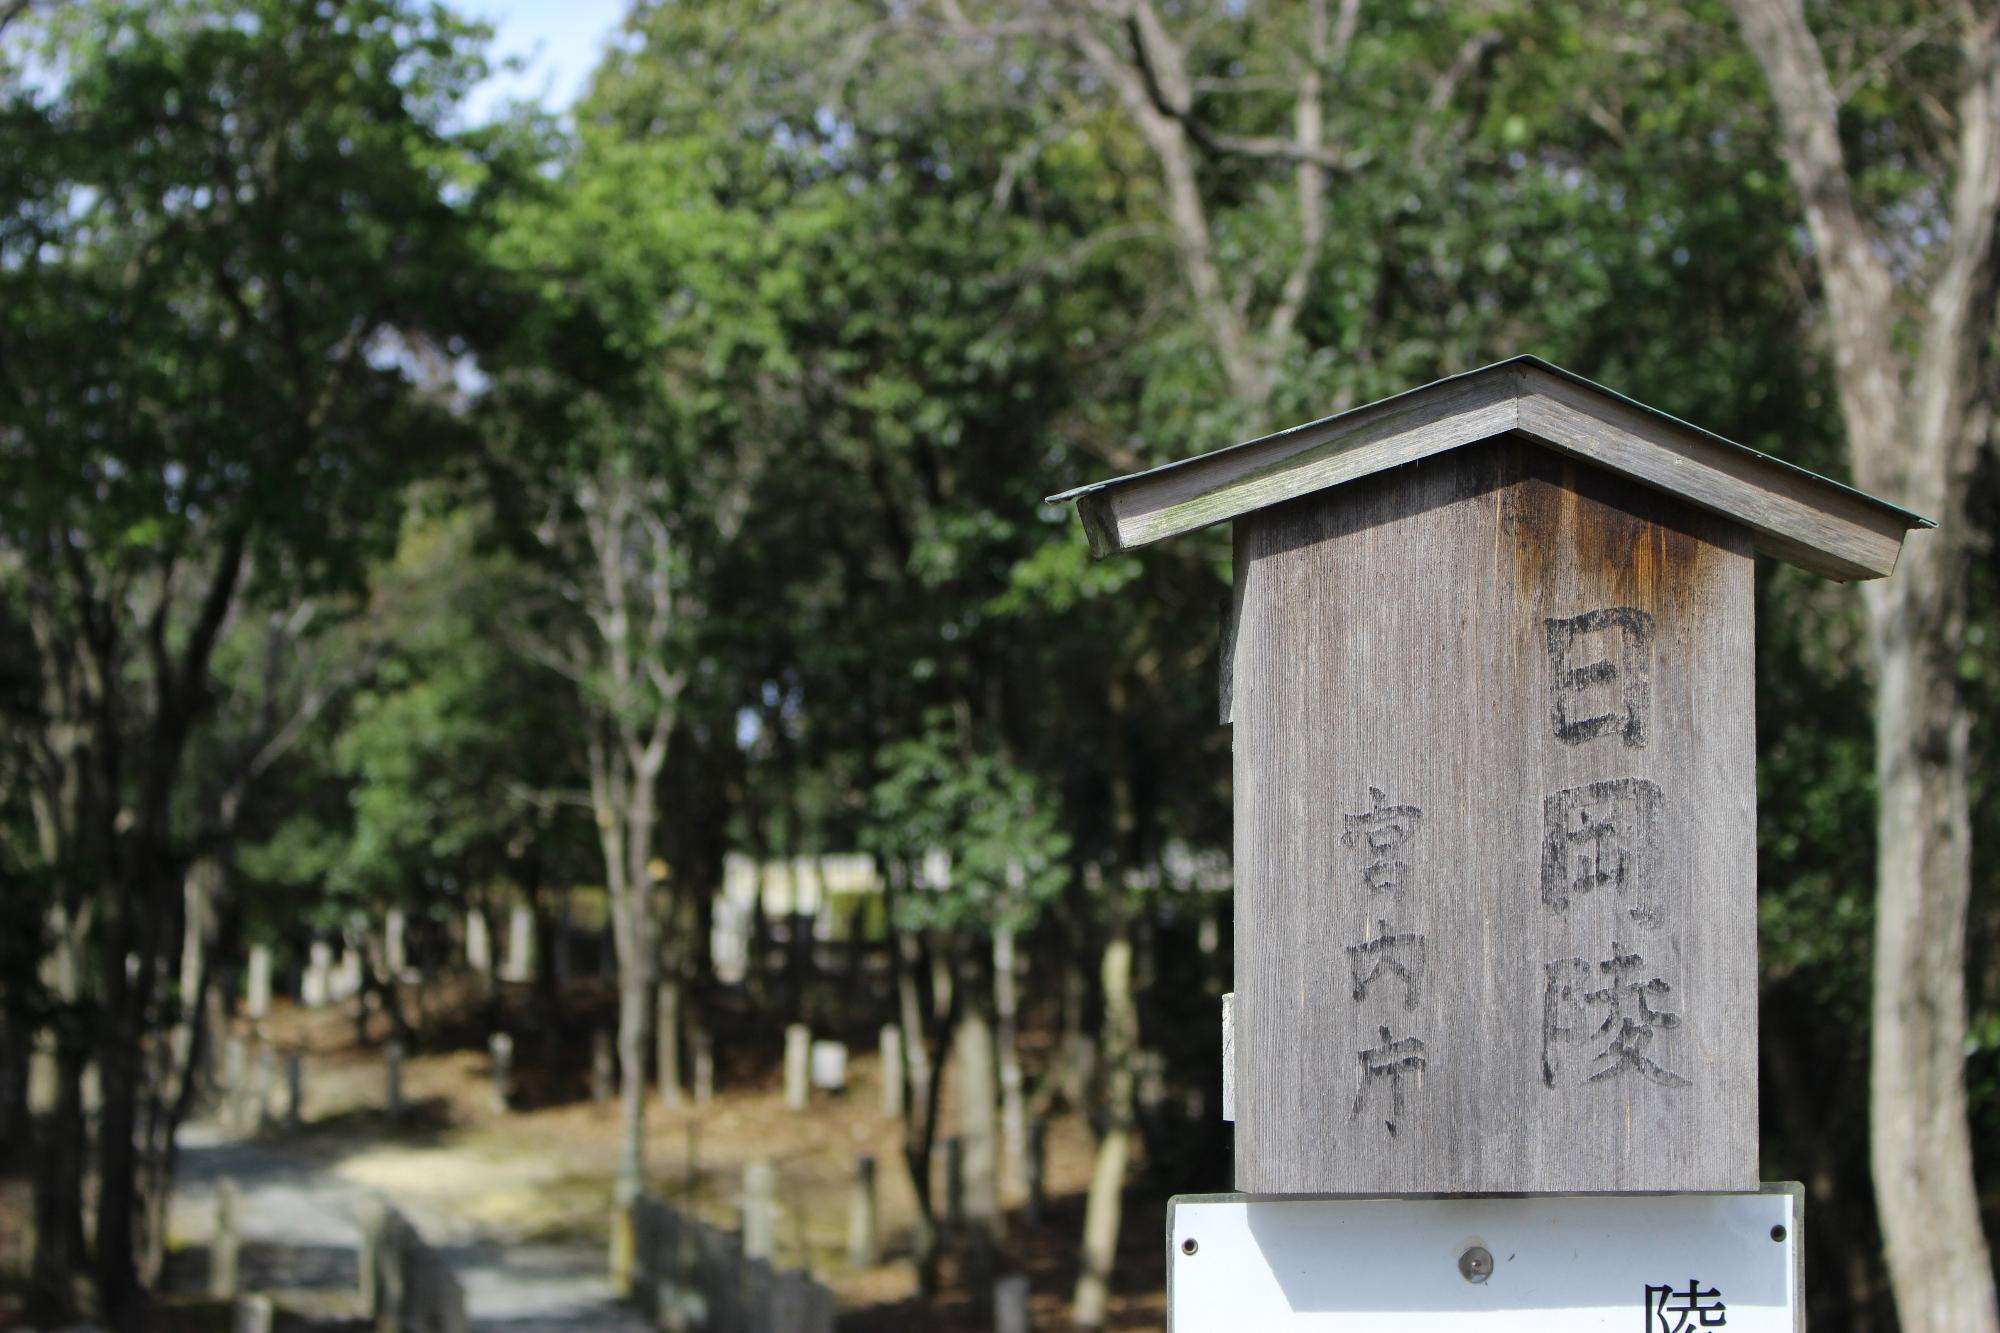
{"x": 1309, "y": 128}
{"x": 1959, "y": 324}
{"x": 1859, "y": 288}
{"x": 1163, "y": 66}
{"x": 1187, "y": 213}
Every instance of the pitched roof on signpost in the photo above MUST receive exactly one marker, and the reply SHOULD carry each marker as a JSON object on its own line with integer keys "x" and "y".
{"x": 1796, "y": 515}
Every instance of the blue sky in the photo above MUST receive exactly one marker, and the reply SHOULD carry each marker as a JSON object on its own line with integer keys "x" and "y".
{"x": 560, "y": 39}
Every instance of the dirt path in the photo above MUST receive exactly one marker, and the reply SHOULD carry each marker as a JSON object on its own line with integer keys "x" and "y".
{"x": 298, "y": 1210}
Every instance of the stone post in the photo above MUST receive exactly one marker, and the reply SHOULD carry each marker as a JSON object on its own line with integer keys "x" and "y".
{"x": 264, "y": 1088}
{"x": 667, "y": 1042}
{"x": 392, "y": 1070}
{"x": 478, "y": 943}
{"x": 864, "y": 1245}
{"x": 798, "y": 1050}
{"x": 500, "y": 1047}
{"x": 828, "y": 1062}
{"x": 954, "y": 1184}
{"x": 257, "y": 985}
{"x": 1038, "y": 1134}
{"x": 235, "y": 1080}
{"x": 254, "y": 1314}
{"x": 760, "y": 1210}
{"x": 704, "y": 1067}
{"x": 892, "y": 1069}
{"x": 603, "y": 1067}
{"x": 395, "y": 943}
{"x": 317, "y": 986}
{"x": 346, "y": 980}
{"x": 295, "y": 1090}
{"x": 520, "y": 945}
{"x": 223, "y": 1249}
{"x": 371, "y": 1257}
{"x": 1010, "y": 1304}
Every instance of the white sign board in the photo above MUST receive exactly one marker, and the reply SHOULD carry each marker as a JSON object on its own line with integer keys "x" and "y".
{"x": 1558, "y": 1263}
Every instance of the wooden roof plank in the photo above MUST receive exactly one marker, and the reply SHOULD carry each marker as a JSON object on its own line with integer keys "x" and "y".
{"x": 1328, "y": 453}
{"x": 1796, "y": 515}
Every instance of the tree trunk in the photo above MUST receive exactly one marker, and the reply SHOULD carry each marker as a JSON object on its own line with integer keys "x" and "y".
{"x": 115, "y": 1251}
{"x": 667, "y": 1040}
{"x": 139, "y": 912}
{"x": 637, "y": 973}
{"x": 179, "y": 1055}
{"x": 1104, "y": 1207}
{"x": 1013, "y": 1102}
{"x": 635, "y": 1008}
{"x": 1914, "y": 351}
{"x": 920, "y": 1105}
{"x": 14, "y": 1052}
{"x": 978, "y": 1128}
{"x": 1921, "y": 1141}
{"x": 57, "y": 1109}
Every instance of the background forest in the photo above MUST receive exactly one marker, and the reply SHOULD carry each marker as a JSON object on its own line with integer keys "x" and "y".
{"x": 400, "y": 512}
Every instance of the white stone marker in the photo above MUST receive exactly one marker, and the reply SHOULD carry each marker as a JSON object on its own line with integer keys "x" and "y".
{"x": 760, "y": 1210}
{"x": 1010, "y": 1304}
{"x": 478, "y": 943}
{"x": 395, "y": 943}
{"x": 257, "y": 982}
{"x": 500, "y": 1047}
{"x": 223, "y": 1248}
{"x": 798, "y": 1051}
{"x": 892, "y": 1069}
{"x": 520, "y": 945}
{"x": 316, "y": 988}
{"x": 392, "y": 1071}
{"x": 254, "y": 1314}
{"x": 829, "y": 1065}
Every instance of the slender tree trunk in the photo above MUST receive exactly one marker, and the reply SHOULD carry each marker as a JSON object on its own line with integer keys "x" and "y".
{"x": 139, "y": 912}
{"x": 115, "y": 1251}
{"x": 921, "y": 1090}
{"x": 633, "y": 935}
{"x": 1914, "y": 351}
{"x": 179, "y": 1056}
{"x": 667, "y": 1040}
{"x": 1921, "y": 1141}
{"x": 1078, "y": 1049}
{"x": 14, "y": 1055}
{"x": 57, "y": 1109}
{"x": 1104, "y": 1206}
{"x": 978, "y": 1126}
{"x": 1013, "y": 1099}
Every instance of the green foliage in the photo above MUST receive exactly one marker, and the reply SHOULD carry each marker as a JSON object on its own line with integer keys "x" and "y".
{"x": 233, "y": 224}
{"x": 1001, "y": 839}
{"x": 448, "y": 764}
{"x": 839, "y": 294}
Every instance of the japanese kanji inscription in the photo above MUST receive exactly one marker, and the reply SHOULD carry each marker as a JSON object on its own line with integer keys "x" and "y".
{"x": 1496, "y": 856}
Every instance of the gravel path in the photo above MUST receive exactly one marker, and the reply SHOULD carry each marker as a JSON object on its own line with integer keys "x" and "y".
{"x": 297, "y": 1217}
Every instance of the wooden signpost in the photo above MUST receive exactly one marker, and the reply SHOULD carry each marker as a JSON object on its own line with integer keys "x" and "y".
{"x": 1489, "y": 667}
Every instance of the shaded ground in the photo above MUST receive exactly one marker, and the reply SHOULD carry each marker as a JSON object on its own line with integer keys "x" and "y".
{"x": 297, "y": 1216}
{"x": 518, "y": 1202}
{"x": 543, "y": 1172}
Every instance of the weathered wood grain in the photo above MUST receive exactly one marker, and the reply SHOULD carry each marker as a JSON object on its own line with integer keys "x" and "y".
{"x": 1522, "y": 649}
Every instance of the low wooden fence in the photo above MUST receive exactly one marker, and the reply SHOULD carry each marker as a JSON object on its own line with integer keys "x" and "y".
{"x": 405, "y": 1286}
{"x": 690, "y": 1277}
